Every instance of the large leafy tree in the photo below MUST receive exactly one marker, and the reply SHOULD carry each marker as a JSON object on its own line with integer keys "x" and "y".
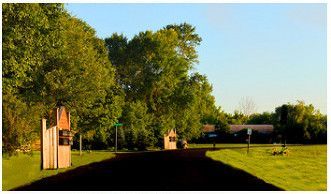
{"x": 50, "y": 59}
{"x": 153, "y": 68}
{"x": 194, "y": 106}
{"x": 301, "y": 123}
{"x": 29, "y": 38}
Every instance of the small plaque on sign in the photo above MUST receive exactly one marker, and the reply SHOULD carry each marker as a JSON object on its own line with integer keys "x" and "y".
{"x": 249, "y": 131}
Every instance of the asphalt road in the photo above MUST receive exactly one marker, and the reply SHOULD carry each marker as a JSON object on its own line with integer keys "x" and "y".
{"x": 178, "y": 170}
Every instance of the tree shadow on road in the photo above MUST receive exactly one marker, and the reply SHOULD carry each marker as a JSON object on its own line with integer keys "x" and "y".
{"x": 178, "y": 170}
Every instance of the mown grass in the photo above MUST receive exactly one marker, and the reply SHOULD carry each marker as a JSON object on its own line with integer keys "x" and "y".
{"x": 228, "y": 145}
{"x": 303, "y": 169}
{"x": 23, "y": 169}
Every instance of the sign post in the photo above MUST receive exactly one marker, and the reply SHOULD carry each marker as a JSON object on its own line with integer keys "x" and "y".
{"x": 213, "y": 137}
{"x": 116, "y": 125}
{"x": 116, "y": 140}
{"x": 249, "y": 133}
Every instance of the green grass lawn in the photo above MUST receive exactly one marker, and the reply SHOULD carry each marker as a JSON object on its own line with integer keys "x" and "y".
{"x": 226, "y": 145}
{"x": 23, "y": 169}
{"x": 303, "y": 169}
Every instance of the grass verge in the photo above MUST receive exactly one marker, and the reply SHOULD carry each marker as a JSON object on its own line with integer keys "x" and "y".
{"x": 23, "y": 169}
{"x": 303, "y": 169}
{"x": 228, "y": 145}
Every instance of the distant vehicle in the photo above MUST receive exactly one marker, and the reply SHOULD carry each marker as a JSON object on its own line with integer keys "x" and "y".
{"x": 211, "y": 135}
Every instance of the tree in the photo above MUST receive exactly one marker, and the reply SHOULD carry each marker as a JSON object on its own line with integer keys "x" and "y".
{"x": 153, "y": 69}
{"x": 194, "y": 106}
{"x": 238, "y": 118}
{"x": 247, "y": 106}
{"x": 52, "y": 59}
{"x": 188, "y": 39}
{"x": 302, "y": 124}
{"x": 19, "y": 122}
{"x": 222, "y": 122}
{"x": 138, "y": 122}
{"x": 29, "y": 37}
{"x": 264, "y": 118}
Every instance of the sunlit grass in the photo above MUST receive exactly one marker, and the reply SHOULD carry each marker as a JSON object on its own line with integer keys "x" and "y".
{"x": 227, "y": 145}
{"x": 23, "y": 169}
{"x": 303, "y": 169}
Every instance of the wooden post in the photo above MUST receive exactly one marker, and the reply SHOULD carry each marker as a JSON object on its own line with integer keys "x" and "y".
{"x": 55, "y": 146}
{"x": 80, "y": 144}
{"x": 69, "y": 124}
{"x": 42, "y": 142}
{"x": 55, "y": 140}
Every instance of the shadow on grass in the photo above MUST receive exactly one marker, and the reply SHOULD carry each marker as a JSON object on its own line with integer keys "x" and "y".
{"x": 178, "y": 170}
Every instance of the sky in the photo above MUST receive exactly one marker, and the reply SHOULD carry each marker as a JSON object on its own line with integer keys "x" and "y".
{"x": 272, "y": 54}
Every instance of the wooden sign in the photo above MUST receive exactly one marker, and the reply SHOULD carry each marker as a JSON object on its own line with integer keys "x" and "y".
{"x": 56, "y": 141}
{"x": 170, "y": 139}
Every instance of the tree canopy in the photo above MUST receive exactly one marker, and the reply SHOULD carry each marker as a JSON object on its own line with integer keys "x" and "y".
{"x": 51, "y": 59}
{"x": 301, "y": 124}
{"x": 153, "y": 69}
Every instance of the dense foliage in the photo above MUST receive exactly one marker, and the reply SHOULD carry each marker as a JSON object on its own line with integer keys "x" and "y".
{"x": 294, "y": 123}
{"x": 51, "y": 59}
{"x": 301, "y": 123}
{"x": 153, "y": 69}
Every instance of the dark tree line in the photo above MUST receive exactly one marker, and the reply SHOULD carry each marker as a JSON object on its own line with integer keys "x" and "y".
{"x": 293, "y": 123}
{"x": 301, "y": 123}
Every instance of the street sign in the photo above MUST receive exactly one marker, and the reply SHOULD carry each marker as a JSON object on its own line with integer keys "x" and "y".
{"x": 249, "y": 131}
{"x": 118, "y": 124}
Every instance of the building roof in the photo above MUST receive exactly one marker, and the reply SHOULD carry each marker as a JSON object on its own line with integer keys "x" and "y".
{"x": 208, "y": 128}
{"x": 171, "y": 132}
{"x": 63, "y": 116}
{"x": 260, "y": 128}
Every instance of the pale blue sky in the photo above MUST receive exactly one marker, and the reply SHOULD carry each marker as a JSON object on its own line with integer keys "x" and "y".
{"x": 272, "y": 53}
